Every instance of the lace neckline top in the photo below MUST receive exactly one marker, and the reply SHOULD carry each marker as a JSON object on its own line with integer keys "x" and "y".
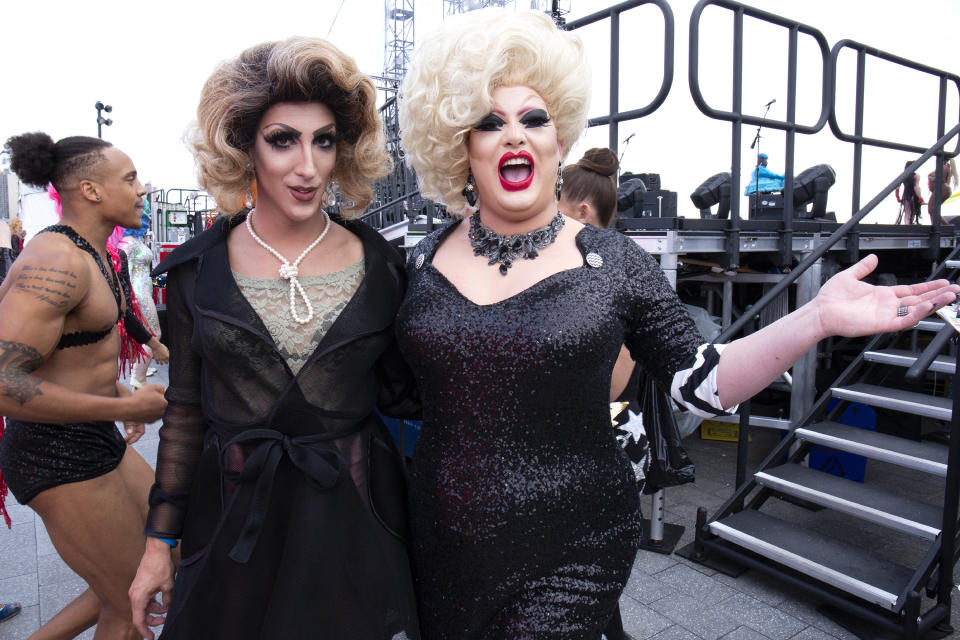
{"x": 329, "y": 293}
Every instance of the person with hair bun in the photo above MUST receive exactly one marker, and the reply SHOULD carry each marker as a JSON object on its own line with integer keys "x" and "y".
{"x": 524, "y": 511}
{"x": 274, "y": 472}
{"x": 590, "y": 188}
{"x": 61, "y": 452}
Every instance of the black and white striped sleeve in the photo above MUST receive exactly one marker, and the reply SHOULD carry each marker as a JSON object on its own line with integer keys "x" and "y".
{"x": 694, "y": 385}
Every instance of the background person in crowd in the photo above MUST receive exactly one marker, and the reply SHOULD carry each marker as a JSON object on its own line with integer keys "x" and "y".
{"x": 273, "y": 468}
{"x": 911, "y": 200}
{"x": 17, "y": 234}
{"x": 61, "y": 453}
{"x": 134, "y": 267}
{"x": 946, "y": 187}
{"x": 589, "y": 195}
{"x": 762, "y": 179}
{"x": 525, "y": 518}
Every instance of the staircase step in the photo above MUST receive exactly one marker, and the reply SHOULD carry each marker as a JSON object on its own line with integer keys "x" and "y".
{"x": 757, "y": 421}
{"x": 920, "y": 404}
{"x": 856, "y": 499}
{"x": 905, "y": 358}
{"x": 929, "y": 457}
{"x": 843, "y": 566}
{"x": 930, "y": 324}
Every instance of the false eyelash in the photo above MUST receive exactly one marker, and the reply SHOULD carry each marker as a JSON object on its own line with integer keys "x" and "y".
{"x": 535, "y": 118}
{"x": 492, "y": 122}
{"x": 274, "y": 139}
{"x": 327, "y": 139}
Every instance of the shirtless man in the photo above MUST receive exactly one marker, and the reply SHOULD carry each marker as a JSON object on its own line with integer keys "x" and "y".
{"x": 61, "y": 453}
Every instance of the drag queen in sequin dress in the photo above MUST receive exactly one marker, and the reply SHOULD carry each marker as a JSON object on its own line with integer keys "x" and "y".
{"x": 524, "y": 511}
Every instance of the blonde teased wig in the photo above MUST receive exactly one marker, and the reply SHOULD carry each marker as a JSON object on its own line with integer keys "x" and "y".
{"x": 300, "y": 69}
{"x": 455, "y": 70}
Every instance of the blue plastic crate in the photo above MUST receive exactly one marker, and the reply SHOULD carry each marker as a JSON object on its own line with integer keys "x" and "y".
{"x": 842, "y": 463}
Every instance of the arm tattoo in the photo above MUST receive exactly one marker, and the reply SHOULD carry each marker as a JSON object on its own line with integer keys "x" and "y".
{"x": 47, "y": 284}
{"x": 17, "y": 362}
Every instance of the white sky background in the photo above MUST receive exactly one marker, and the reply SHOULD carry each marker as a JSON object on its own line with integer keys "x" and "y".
{"x": 149, "y": 60}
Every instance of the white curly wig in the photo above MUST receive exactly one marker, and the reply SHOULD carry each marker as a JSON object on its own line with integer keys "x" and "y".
{"x": 455, "y": 70}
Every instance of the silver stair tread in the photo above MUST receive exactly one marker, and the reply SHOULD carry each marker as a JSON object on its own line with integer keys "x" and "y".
{"x": 930, "y": 457}
{"x": 838, "y": 564}
{"x": 856, "y": 499}
{"x": 757, "y": 421}
{"x": 930, "y": 324}
{"x": 920, "y": 404}
{"x": 905, "y": 358}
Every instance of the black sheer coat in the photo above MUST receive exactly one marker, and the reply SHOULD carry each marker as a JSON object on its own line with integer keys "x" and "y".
{"x": 287, "y": 491}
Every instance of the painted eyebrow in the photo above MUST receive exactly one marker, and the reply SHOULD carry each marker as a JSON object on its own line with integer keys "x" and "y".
{"x": 521, "y": 112}
{"x": 295, "y": 132}
{"x": 286, "y": 128}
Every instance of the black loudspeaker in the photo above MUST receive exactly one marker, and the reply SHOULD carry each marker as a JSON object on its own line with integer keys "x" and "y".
{"x": 770, "y": 207}
{"x": 766, "y": 206}
{"x": 656, "y": 204}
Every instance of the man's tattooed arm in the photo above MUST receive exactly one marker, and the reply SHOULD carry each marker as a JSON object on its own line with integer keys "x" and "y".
{"x": 17, "y": 363}
{"x": 48, "y": 284}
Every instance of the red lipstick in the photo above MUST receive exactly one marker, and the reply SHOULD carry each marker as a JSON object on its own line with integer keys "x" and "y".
{"x": 522, "y": 184}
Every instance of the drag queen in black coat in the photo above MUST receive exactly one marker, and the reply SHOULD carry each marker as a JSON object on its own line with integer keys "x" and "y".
{"x": 523, "y": 508}
{"x": 274, "y": 472}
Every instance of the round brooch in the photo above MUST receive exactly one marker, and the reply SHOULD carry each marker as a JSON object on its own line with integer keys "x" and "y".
{"x": 419, "y": 261}
{"x": 594, "y": 260}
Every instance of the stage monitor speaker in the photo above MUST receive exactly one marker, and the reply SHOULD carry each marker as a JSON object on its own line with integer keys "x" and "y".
{"x": 766, "y": 206}
{"x": 770, "y": 207}
{"x": 656, "y": 204}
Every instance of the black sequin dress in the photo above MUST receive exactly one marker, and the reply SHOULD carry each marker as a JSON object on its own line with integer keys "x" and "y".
{"x": 523, "y": 507}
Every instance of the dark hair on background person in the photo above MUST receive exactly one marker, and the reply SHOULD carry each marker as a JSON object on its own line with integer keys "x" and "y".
{"x": 299, "y": 69}
{"x": 591, "y": 179}
{"x": 39, "y": 161}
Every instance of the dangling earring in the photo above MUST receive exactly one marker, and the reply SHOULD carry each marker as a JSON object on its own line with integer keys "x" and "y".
{"x": 329, "y": 197}
{"x": 559, "y": 179}
{"x": 470, "y": 191}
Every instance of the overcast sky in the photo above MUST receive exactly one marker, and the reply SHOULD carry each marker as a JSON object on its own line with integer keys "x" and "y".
{"x": 149, "y": 61}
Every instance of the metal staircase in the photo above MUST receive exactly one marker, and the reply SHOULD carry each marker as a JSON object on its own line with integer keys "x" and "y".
{"x": 822, "y": 549}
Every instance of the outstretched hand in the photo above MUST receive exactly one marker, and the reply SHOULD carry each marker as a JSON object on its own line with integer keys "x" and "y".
{"x": 849, "y": 307}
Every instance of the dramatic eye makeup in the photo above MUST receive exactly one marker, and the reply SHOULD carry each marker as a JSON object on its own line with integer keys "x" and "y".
{"x": 490, "y": 122}
{"x": 535, "y": 118}
{"x": 284, "y": 137}
{"x": 325, "y": 140}
{"x": 281, "y": 138}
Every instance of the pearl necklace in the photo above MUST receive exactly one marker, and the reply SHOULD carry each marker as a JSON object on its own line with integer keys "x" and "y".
{"x": 288, "y": 270}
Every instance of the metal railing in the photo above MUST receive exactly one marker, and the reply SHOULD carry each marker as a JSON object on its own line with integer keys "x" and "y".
{"x": 614, "y": 117}
{"x": 736, "y": 115}
{"x": 859, "y": 140}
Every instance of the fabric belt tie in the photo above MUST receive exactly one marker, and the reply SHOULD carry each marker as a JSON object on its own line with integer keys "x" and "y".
{"x": 313, "y": 455}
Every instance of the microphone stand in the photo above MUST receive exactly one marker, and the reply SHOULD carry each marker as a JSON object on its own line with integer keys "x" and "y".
{"x": 620, "y": 160}
{"x": 756, "y": 143}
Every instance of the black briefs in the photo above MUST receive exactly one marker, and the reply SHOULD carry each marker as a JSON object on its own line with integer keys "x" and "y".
{"x": 35, "y": 457}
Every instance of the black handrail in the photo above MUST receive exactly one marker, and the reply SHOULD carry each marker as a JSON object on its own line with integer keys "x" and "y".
{"x": 858, "y": 139}
{"x": 615, "y": 116}
{"x": 835, "y": 237}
